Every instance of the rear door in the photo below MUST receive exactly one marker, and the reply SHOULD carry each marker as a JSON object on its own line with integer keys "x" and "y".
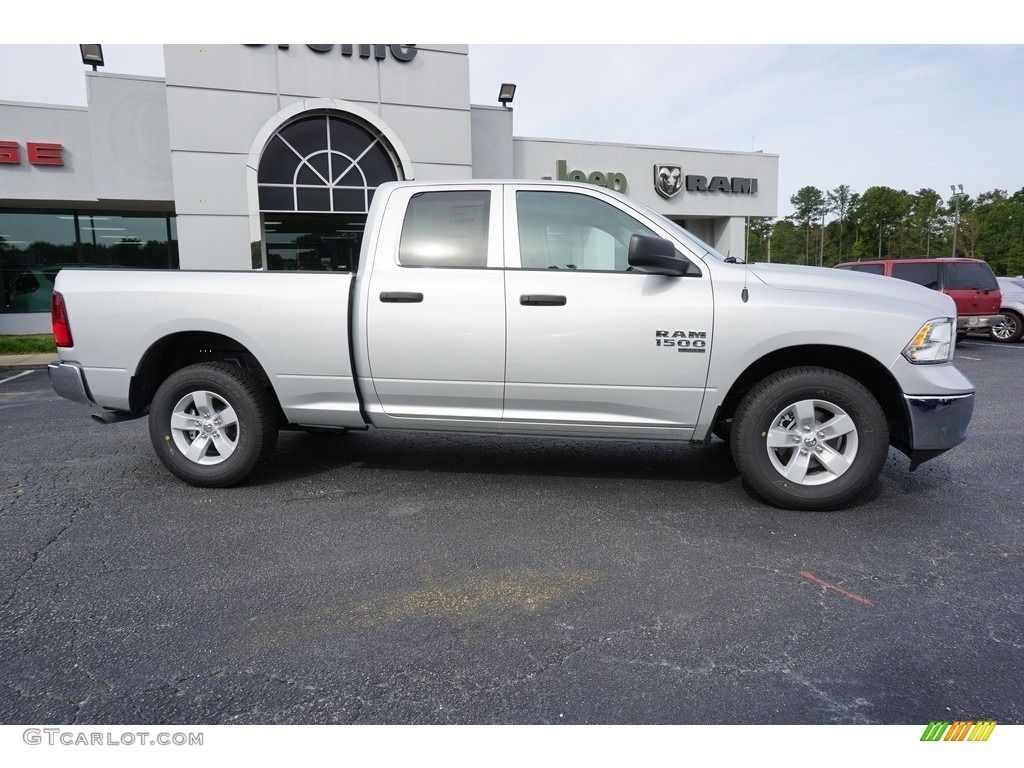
{"x": 973, "y": 287}
{"x": 435, "y": 316}
{"x": 595, "y": 347}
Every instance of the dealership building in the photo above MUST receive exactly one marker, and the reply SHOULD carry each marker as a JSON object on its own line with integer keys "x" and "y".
{"x": 267, "y": 157}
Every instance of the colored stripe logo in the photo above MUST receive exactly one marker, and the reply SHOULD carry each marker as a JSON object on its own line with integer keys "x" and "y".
{"x": 958, "y": 730}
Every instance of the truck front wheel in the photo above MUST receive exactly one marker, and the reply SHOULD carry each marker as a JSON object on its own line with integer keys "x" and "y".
{"x": 809, "y": 439}
{"x": 212, "y": 424}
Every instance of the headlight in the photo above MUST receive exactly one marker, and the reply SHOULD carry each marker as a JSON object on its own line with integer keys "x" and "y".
{"x": 933, "y": 343}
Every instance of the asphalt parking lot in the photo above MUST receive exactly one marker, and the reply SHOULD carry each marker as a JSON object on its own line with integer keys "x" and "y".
{"x": 396, "y": 578}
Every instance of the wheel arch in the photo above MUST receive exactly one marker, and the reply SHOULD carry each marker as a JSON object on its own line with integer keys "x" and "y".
{"x": 178, "y": 350}
{"x": 855, "y": 364}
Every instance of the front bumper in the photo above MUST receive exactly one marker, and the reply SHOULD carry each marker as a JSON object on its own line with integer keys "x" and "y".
{"x": 68, "y": 380}
{"x": 936, "y": 424}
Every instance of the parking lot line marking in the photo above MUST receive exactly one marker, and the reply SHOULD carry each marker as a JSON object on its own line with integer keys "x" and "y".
{"x": 17, "y": 376}
{"x": 811, "y": 577}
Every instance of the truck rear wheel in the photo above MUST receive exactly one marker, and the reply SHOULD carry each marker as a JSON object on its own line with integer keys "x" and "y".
{"x": 809, "y": 439}
{"x": 212, "y": 424}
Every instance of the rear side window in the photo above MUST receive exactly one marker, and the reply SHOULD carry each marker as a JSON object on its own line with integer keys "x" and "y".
{"x": 970, "y": 277}
{"x": 921, "y": 272}
{"x": 446, "y": 229}
{"x": 873, "y": 269}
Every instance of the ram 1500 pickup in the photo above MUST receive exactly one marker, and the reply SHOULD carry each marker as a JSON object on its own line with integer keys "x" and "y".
{"x": 525, "y": 308}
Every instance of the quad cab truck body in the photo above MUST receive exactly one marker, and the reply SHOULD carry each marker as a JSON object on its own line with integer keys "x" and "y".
{"x": 525, "y": 308}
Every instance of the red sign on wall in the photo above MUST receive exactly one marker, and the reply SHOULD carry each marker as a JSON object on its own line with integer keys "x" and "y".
{"x": 39, "y": 153}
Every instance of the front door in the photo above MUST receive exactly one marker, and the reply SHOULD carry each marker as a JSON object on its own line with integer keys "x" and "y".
{"x": 595, "y": 347}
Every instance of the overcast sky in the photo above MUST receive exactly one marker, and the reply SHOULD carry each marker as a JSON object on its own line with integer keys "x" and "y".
{"x": 904, "y": 116}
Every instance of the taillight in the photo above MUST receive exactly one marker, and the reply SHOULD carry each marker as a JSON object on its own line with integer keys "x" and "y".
{"x": 61, "y": 326}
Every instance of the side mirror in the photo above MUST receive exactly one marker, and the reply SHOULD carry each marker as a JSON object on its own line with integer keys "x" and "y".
{"x": 655, "y": 256}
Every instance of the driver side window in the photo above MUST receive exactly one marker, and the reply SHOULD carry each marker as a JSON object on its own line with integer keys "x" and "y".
{"x": 563, "y": 230}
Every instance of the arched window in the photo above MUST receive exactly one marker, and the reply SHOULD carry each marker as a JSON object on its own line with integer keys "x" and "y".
{"x": 315, "y": 181}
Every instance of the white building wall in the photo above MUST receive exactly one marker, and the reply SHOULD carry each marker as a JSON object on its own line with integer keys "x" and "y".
{"x": 220, "y": 96}
{"x": 493, "y": 157}
{"x": 131, "y": 154}
{"x": 68, "y": 126}
{"x": 116, "y": 150}
{"x": 537, "y": 158}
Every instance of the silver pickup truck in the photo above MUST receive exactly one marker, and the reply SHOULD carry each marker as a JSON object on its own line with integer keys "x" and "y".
{"x": 525, "y": 308}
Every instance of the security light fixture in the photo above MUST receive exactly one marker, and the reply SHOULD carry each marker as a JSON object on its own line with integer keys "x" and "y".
{"x": 506, "y": 94}
{"x": 92, "y": 54}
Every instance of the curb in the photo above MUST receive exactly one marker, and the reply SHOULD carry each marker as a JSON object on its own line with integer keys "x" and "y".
{"x": 8, "y": 362}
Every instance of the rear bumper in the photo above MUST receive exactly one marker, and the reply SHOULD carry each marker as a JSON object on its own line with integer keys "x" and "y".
{"x": 68, "y": 380}
{"x": 977, "y": 322}
{"x": 937, "y": 424}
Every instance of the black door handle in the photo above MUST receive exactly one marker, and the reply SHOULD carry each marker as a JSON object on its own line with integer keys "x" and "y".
{"x": 541, "y": 300}
{"x": 401, "y": 297}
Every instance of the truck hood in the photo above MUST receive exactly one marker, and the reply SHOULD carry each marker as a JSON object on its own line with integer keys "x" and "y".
{"x": 788, "y": 277}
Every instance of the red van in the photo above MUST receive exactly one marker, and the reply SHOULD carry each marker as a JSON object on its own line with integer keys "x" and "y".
{"x": 970, "y": 283}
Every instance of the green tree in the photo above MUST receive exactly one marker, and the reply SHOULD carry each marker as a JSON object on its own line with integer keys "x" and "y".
{"x": 787, "y": 243}
{"x": 1000, "y": 220}
{"x": 926, "y": 220}
{"x": 759, "y": 230}
{"x": 839, "y": 200}
{"x": 809, "y": 207}
{"x": 883, "y": 216}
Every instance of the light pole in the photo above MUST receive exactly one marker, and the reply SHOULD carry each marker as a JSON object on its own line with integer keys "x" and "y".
{"x": 956, "y": 216}
{"x": 821, "y": 248}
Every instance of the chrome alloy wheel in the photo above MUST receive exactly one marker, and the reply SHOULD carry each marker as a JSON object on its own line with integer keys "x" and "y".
{"x": 204, "y": 427}
{"x": 812, "y": 442}
{"x": 1006, "y": 329}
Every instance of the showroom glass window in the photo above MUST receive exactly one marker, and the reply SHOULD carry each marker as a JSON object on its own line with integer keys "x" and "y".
{"x": 559, "y": 230}
{"x": 33, "y": 248}
{"x": 35, "y": 245}
{"x": 126, "y": 241}
{"x": 316, "y": 179}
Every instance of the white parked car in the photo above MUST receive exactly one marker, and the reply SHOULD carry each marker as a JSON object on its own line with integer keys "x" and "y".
{"x": 1012, "y": 310}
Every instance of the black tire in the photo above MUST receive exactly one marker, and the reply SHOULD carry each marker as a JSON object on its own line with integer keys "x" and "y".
{"x": 1010, "y": 330}
{"x": 960, "y": 337}
{"x": 798, "y": 405}
{"x": 234, "y": 420}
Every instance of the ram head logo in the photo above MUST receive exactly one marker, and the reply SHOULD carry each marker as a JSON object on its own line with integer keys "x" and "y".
{"x": 668, "y": 179}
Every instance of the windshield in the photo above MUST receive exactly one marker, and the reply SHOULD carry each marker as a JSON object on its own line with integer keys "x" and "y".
{"x": 680, "y": 231}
